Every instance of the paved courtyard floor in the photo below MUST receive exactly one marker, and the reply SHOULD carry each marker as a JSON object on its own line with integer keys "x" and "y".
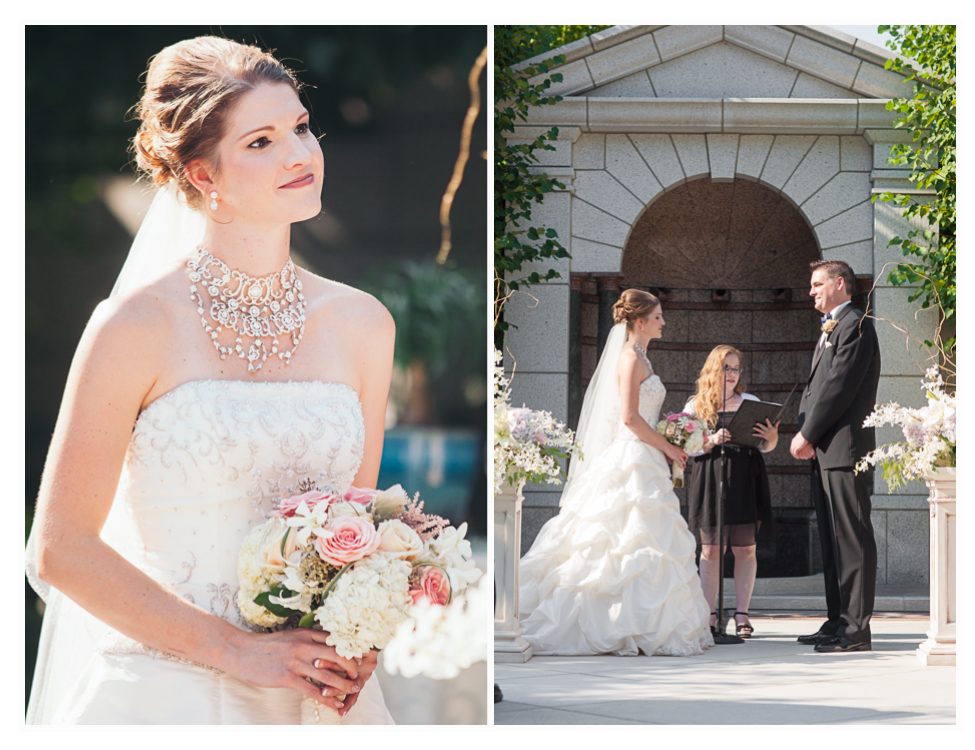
{"x": 770, "y": 679}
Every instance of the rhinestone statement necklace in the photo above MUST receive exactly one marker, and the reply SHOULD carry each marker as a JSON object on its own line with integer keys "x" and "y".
{"x": 261, "y": 309}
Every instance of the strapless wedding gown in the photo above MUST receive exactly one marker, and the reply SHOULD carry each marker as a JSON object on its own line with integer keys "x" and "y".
{"x": 204, "y": 464}
{"x": 614, "y": 571}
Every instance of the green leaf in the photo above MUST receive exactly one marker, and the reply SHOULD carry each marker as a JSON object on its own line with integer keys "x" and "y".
{"x": 264, "y": 600}
{"x": 307, "y": 620}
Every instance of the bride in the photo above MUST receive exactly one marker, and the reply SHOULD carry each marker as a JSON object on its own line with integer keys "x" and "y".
{"x": 614, "y": 572}
{"x": 215, "y": 379}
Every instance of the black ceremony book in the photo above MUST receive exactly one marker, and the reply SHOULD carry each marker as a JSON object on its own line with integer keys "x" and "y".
{"x": 751, "y": 412}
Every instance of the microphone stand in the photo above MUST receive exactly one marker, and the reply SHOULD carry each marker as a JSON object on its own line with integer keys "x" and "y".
{"x": 722, "y": 638}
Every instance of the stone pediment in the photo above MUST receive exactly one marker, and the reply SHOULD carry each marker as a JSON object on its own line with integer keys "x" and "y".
{"x": 712, "y": 62}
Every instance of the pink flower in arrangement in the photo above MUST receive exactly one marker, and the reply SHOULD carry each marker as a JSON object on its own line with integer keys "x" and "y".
{"x": 287, "y": 506}
{"x": 675, "y": 417}
{"x": 431, "y": 584}
{"x": 361, "y": 496}
{"x": 346, "y": 539}
{"x": 690, "y": 427}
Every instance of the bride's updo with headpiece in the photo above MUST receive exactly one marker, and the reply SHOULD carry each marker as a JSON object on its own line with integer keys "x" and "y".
{"x": 190, "y": 88}
{"x": 633, "y": 305}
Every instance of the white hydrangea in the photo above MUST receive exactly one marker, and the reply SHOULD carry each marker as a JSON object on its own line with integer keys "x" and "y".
{"x": 438, "y": 642}
{"x": 366, "y": 605}
{"x": 253, "y": 580}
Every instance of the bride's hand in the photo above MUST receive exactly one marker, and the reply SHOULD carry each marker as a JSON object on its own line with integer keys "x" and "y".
{"x": 675, "y": 455}
{"x": 367, "y": 665}
{"x": 287, "y": 659}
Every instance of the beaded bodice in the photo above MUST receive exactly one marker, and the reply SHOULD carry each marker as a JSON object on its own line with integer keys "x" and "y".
{"x": 207, "y": 460}
{"x": 652, "y": 395}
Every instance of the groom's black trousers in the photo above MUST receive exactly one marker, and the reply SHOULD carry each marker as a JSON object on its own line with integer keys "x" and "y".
{"x": 851, "y": 586}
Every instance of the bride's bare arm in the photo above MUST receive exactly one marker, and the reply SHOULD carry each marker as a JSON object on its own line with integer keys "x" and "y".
{"x": 631, "y": 373}
{"x": 115, "y": 366}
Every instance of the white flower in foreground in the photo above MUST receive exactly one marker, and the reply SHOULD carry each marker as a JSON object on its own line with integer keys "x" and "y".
{"x": 438, "y": 642}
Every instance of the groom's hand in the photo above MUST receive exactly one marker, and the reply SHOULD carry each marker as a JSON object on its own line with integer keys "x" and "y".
{"x": 802, "y": 448}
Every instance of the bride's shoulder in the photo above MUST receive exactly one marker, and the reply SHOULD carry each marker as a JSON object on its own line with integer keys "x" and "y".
{"x": 356, "y": 312}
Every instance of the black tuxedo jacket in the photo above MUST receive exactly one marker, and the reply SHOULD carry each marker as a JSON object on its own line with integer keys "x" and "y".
{"x": 841, "y": 392}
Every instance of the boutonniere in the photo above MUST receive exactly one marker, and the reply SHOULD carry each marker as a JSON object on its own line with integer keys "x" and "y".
{"x": 828, "y": 326}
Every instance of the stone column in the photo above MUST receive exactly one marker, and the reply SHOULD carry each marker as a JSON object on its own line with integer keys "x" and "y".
{"x": 941, "y": 646}
{"x": 609, "y": 293}
{"x": 509, "y": 646}
{"x": 575, "y": 348}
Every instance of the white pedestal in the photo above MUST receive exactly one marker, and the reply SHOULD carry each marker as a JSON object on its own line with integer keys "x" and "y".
{"x": 939, "y": 648}
{"x": 509, "y": 646}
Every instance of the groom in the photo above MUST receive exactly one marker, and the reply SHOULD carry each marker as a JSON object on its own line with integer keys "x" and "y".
{"x": 841, "y": 392}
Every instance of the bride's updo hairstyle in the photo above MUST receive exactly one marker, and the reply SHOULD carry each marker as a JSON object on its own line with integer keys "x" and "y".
{"x": 191, "y": 87}
{"x": 633, "y": 305}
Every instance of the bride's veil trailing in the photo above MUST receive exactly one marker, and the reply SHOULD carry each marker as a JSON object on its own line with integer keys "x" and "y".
{"x": 69, "y": 635}
{"x": 599, "y": 420}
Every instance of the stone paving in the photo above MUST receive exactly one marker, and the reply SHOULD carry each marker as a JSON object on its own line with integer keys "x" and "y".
{"x": 770, "y": 679}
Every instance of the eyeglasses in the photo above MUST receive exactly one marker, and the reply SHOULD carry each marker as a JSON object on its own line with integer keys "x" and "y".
{"x": 733, "y": 370}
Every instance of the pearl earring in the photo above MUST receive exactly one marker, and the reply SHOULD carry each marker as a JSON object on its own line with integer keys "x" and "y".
{"x": 213, "y": 201}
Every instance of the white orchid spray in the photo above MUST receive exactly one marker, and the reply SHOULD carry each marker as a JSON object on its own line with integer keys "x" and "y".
{"x": 929, "y": 434}
{"x": 528, "y": 443}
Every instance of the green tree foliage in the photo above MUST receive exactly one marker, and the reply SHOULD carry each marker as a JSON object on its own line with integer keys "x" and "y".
{"x": 517, "y": 242}
{"x": 930, "y": 117}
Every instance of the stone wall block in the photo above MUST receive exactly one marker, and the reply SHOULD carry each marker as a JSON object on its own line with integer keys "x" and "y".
{"x": 590, "y": 223}
{"x": 815, "y": 170}
{"x": 810, "y": 87}
{"x": 673, "y": 41}
{"x": 872, "y": 53}
{"x": 592, "y": 257}
{"x": 636, "y": 85}
{"x": 572, "y": 51}
{"x": 826, "y": 35}
{"x": 770, "y": 41}
{"x": 842, "y": 192}
{"x": 752, "y": 153}
{"x": 722, "y": 156}
{"x": 623, "y": 60}
{"x": 890, "y": 222}
{"x": 776, "y": 326}
{"x": 670, "y": 366}
{"x": 625, "y": 164}
{"x": 906, "y": 391}
{"x": 876, "y": 83}
{"x": 858, "y": 254}
{"x": 617, "y": 34}
{"x": 540, "y": 344}
{"x": 819, "y": 116}
{"x": 554, "y": 213}
{"x": 571, "y": 111}
{"x": 589, "y": 151}
{"x": 891, "y": 303}
{"x": 575, "y": 79}
{"x": 786, "y": 154}
{"x": 879, "y": 520}
{"x": 873, "y": 114}
{"x": 908, "y": 542}
{"x": 532, "y": 520}
{"x": 560, "y": 157}
{"x": 692, "y": 150}
{"x": 629, "y": 115}
{"x": 822, "y": 61}
{"x": 659, "y": 154}
{"x": 721, "y": 327}
{"x": 602, "y": 190}
{"x": 722, "y": 71}
{"x": 851, "y": 226}
{"x": 856, "y": 155}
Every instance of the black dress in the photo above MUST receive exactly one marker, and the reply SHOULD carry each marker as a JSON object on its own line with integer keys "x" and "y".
{"x": 748, "y": 504}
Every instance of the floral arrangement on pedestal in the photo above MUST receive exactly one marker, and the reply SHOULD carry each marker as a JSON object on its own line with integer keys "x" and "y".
{"x": 528, "y": 444}
{"x": 929, "y": 434}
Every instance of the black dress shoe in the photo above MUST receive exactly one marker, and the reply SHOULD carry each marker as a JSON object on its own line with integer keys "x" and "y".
{"x": 839, "y": 645}
{"x": 498, "y": 697}
{"x": 820, "y": 636}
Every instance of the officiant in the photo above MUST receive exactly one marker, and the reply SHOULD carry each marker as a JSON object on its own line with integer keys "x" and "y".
{"x": 748, "y": 503}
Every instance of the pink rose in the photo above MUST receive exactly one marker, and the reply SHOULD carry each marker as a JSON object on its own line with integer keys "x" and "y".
{"x": 287, "y": 507}
{"x": 690, "y": 427}
{"x": 674, "y": 417}
{"x": 346, "y": 539}
{"x": 361, "y": 496}
{"x": 431, "y": 584}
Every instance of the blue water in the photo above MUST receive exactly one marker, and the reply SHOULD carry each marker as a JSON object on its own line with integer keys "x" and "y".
{"x": 441, "y": 464}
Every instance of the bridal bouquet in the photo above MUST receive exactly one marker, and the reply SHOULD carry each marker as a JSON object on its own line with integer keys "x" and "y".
{"x": 929, "y": 433}
{"x": 352, "y": 565}
{"x": 686, "y": 432}
{"x": 527, "y": 443}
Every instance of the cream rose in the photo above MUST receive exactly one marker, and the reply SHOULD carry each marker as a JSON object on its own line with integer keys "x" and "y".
{"x": 346, "y": 540}
{"x": 399, "y": 540}
{"x": 389, "y": 503}
{"x": 341, "y": 508}
{"x": 270, "y": 556}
